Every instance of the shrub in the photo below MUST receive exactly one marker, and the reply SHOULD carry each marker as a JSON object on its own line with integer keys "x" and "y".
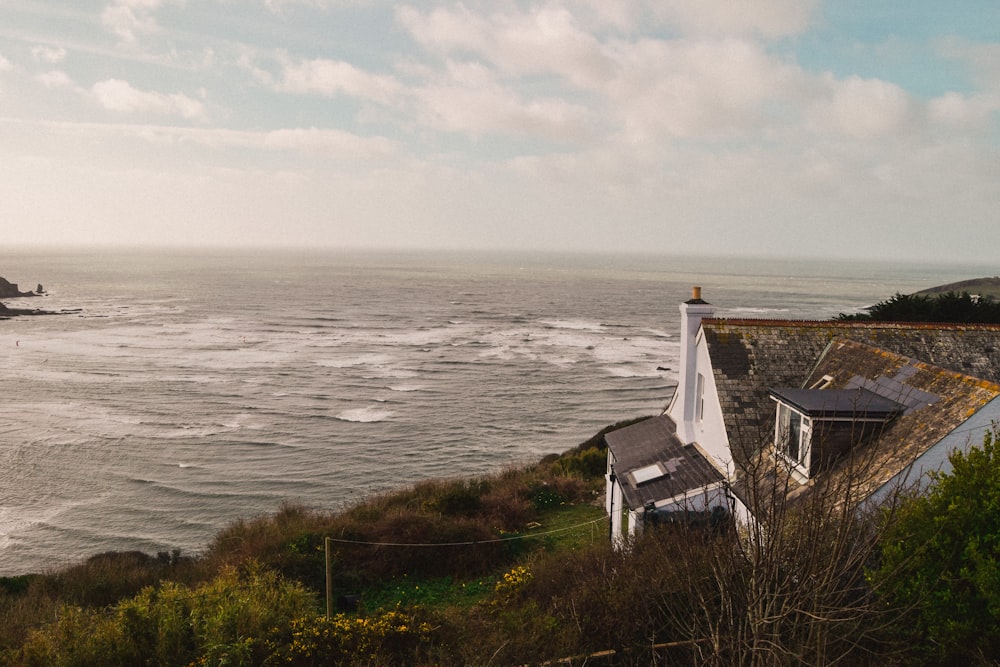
{"x": 940, "y": 561}
{"x": 225, "y": 621}
{"x": 390, "y": 637}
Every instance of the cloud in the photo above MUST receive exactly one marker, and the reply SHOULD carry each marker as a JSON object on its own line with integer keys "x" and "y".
{"x": 311, "y": 141}
{"x": 981, "y": 59}
{"x": 862, "y": 108}
{"x": 328, "y": 142}
{"x": 48, "y": 54}
{"x": 335, "y": 77}
{"x": 129, "y": 19}
{"x": 118, "y": 95}
{"x": 766, "y": 18}
{"x": 469, "y": 99}
{"x": 5, "y": 65}
{"x": 279, "y": 6}
{"x": 55, "y": 79}
{"x": 546, "y": 40}
{"x": 699, "y": 89}
{"x": 964, "y": 111}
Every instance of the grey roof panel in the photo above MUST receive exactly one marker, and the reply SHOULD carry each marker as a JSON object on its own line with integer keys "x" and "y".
{"x": 854, "y": 403}
{"x": 653, "y": 442}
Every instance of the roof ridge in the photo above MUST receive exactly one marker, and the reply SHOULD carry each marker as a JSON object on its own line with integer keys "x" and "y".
{"x": 851, "y": 324}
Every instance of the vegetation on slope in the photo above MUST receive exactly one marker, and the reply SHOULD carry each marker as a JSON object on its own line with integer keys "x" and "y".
{"x": 938, "y": 307}
{"x": 523, "y": 573}
{"x": 485, "y": 527}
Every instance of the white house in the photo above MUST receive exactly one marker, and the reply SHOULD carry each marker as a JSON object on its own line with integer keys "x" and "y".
{"x": 810, "y": 395}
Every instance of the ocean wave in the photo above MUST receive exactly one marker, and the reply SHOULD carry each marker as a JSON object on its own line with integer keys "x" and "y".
{"x": 633, "y": 372}
{"x": 576, "y": 325}
{"x": 373, "y": 359}
{"x": 405, "y": 387}
{"x": 364, "y": 415}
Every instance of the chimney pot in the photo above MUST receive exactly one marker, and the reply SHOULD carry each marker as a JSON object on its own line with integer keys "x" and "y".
{"x": 696, "y": 293}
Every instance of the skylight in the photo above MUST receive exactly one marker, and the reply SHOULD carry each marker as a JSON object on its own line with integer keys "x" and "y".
{"x": 648, "y": 474}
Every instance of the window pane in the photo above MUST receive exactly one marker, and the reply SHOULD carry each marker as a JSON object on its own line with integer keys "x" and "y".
{"x": 794, "y": 434}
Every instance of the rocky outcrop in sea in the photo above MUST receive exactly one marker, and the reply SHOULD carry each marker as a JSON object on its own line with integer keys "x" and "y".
{"x": 9, "y": 290}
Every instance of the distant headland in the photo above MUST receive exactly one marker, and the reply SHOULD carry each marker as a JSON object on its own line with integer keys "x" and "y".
{"x": 982, "y": 287}
{"x": 9, "y": 290}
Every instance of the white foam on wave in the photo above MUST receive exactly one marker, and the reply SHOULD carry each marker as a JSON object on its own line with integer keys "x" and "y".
{"x": 406, "y": 387}
{"x": 398, "y": 373}
{"x": 574, "y": 324}
{"x": 756, "y": 311}
{"x": 631, "y": 371}
{"x": 372, "y": 359}
{"x": 364, "y": 415}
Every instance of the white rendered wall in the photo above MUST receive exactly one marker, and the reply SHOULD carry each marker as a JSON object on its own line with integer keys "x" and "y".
{"x": 709, "y": 432}
{"x": 683, "y": 403}
{"x": 696, "y": 500}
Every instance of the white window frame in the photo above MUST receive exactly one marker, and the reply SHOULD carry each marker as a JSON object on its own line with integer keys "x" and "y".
{"x": 782, "y": 430}
{"x": 699, "y": 405}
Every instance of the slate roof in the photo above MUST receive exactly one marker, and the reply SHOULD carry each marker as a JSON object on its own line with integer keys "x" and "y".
{"x": 650, "y": 442}
{"x": 936, "y": 401}
{"x": 751, "y": 356}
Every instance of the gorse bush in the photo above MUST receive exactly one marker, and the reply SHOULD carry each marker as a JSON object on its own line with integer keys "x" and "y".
{"x": 225, "y": 621}
{"x": 392, "y": 637}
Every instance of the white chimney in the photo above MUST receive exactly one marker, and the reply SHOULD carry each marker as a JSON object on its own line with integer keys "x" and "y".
{"x": 682, "y": 407}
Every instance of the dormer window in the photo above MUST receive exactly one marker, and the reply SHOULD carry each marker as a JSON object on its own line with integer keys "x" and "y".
{"x": 815, "y": 426}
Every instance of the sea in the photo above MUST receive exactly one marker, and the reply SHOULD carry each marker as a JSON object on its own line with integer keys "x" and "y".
{"x": 181, "y": 390}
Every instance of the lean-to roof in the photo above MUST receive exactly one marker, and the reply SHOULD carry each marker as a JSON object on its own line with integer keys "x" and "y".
{"x": 653, "y": 442}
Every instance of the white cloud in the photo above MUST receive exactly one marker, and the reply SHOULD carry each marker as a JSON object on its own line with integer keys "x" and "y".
{"x": 546, "y": 40}
{"x": 332, "y": 77}
{"x": 964, "y": 111}
{"x": 48, "y": 54}
{"x": 706, "y": 89}
{"x": 328, "y": 142}
{"x": 862, "y": 108}
{"x": 130, "y": 19}
{"x": 118, "y": 95}
{"x": 55, "y": 79}
{"x": 5, "y": 65}
{"x": 468, "y": 99}
{"x": 983, "y": 60}
{"x": 279, "y": 6}
{"x": 766, "y": 18}
{"x": 311, "y": 141}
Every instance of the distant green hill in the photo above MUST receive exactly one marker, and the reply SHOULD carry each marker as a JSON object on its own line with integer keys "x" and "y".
{"x": 977, "y": 286}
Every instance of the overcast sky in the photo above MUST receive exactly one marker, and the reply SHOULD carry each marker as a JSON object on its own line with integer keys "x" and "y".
{"x": 845, "y": 128}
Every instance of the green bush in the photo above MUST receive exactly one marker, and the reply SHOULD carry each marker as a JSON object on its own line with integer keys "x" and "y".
{"x": 225, "y": 621}
{"x": 941, "y": 561}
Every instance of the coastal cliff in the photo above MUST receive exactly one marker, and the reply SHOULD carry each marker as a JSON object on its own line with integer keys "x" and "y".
{"x": 10, "y": 290}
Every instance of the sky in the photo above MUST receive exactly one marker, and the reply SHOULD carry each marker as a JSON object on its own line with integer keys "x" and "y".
{"x": 837, "y": 128}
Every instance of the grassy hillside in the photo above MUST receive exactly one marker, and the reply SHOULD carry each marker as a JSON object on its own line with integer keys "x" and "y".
{"x": 421, "y": 572}
{"x": 513, "y": 568}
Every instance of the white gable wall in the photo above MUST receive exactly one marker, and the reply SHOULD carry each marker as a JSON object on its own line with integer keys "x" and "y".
{"x": 706, "y": 426}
